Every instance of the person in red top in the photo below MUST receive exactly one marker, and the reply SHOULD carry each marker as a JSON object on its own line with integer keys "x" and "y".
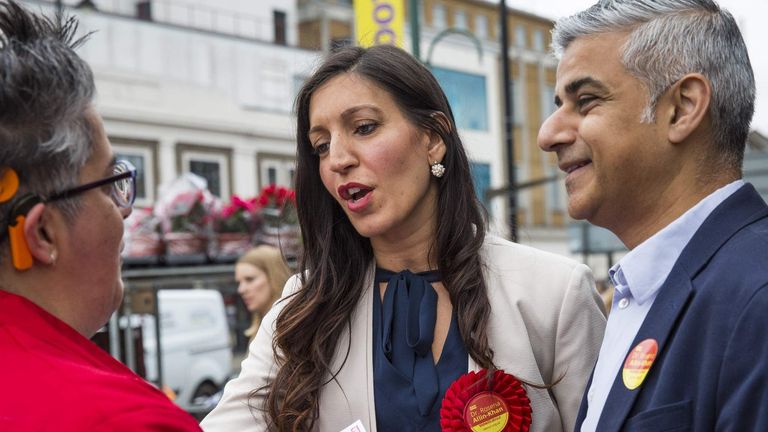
{"x": 63, "y": 198}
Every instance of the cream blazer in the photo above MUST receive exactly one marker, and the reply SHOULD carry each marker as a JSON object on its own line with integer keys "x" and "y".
{"x": 546, "y": 325}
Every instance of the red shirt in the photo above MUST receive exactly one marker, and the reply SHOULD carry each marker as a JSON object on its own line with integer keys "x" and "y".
{"x": 54, "y": 379}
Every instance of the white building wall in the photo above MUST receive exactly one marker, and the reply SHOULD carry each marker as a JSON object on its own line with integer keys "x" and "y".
{"x": 170, "y": 86}
{"x": 244, "y": 18}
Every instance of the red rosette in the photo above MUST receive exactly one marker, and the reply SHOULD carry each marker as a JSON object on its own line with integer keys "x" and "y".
{"x": 470, "y": 386}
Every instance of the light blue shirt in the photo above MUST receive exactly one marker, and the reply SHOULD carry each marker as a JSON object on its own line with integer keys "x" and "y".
{"x": 637, "y": 278}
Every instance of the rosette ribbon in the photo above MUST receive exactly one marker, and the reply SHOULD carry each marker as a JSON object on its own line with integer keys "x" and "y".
{"x": 478, "y": 403}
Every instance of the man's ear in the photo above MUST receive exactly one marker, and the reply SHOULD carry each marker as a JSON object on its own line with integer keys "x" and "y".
{"x": 690, "y": 98}
{"x": 437, "y": 147}
{"x": 39, "y": 234}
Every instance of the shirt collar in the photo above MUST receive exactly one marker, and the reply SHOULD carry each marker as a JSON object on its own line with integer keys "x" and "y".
{"x": 645, "y": 268}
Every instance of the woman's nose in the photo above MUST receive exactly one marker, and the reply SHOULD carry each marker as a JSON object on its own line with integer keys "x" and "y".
{"x": 342, "y": 155}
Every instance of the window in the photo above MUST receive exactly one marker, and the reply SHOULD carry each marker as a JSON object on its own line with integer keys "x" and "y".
{"x": 460, "y": 19}
{"x": 298, "y": 83}
{"x": 481, "y": 26}
{"x": 555, "y": 195}
{"x": 466, "y": 94}
{"x": 523, "y": 196}
{"x": 211, "y": 163}
{"x": 144, "y": 11}
{"x": 547, "y": 101}
{"x": 210, "y": 170}
{"x": 279, "y": 22}
{"x": 275, "y": 169}
{"x": 538, "y": 40}
{"x": 143, "y": 155}
{"x": 438, "y": 16}
{"x": 518, "y": 102}
{"x": 481, "y": 177}
{"x": 520, "y": 36}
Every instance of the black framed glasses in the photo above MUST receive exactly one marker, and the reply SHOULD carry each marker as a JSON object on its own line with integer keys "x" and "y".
{"x": 123, "y": 182}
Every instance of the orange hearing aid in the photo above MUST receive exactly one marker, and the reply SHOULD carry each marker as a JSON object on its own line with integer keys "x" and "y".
{"x": 9, "y": 184}
{"x": 20, "y": 255}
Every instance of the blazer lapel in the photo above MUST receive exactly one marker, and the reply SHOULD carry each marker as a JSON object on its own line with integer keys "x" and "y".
{"x": 742, "y": 208}
{"x": 348, "y": 395}
{"x": 658, "y": 325}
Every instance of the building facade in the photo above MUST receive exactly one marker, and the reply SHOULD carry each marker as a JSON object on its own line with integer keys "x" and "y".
{"x": 196, "y": 86}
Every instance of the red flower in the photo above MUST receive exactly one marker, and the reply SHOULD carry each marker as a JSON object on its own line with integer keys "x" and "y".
{"x": 239, "y": 216}
{"x": 473, "y": 386}
{"x": 228, "y": 211}
{"x": 263, "y": 200}
{"x": 282, "y": 194}
{"x": 238, "y": 202}
{"x": 278, "y": 203}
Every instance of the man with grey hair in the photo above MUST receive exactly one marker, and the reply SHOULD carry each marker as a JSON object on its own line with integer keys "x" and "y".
{"x": 63, "y": 198}
{"x": 654, "y": 100}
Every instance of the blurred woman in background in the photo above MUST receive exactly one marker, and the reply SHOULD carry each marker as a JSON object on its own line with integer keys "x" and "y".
{"x": 261, "y": 274}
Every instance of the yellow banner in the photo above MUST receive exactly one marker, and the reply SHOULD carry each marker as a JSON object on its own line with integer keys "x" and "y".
{"x": 379, "y": 22}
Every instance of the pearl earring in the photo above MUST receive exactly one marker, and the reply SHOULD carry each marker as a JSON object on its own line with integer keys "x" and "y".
{"x": 437, "y": 169}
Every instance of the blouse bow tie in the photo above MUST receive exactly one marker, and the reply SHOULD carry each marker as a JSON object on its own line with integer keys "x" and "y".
{"x": 409, "y": 314}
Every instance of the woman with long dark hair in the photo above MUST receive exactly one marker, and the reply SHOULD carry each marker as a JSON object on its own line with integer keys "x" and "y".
{"x": 400, "y": 290}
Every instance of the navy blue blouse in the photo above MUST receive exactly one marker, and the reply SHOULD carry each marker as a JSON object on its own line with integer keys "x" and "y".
{"x": 408, "y": 385}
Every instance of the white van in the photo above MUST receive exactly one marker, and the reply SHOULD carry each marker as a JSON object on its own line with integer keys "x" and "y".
{"x": 195, "y": 341}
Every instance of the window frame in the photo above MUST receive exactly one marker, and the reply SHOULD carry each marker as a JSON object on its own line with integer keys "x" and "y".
{"x": 285, "y": 163}
{"x": 481, "y": 21}
{"x": 186, "y": 153}
{"x": 280, "y": 27}
{"x": 443, "y": 15}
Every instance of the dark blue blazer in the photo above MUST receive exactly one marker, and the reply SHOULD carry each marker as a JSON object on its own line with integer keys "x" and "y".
{"x": 710, "y": 320}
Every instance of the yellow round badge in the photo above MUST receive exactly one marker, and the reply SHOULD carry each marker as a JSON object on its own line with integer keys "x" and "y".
{"x": 486, "y": 412}
{"x": 638, "y": 362}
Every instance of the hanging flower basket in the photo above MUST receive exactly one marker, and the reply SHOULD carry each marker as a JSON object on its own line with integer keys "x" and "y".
{"x": 144, "y": 246}
{"x": 185, "y": 212}
{"x": 280, "y": 227}
{"x": 185, "y": 248}
{"x": 231, "y": 245}
{"x": 278, "y": 206}
{"x": 143, "y": 242}
{"x": 234, "y": 227}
